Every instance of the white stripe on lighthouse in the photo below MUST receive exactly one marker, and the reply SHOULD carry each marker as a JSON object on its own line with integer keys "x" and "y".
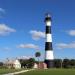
{"x": 49, "y": 55}
{"x": 48, "y": 37}
{"x": 48, "y": 23}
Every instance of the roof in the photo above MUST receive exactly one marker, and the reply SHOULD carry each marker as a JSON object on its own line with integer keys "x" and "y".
{"x": 12, "y": 61}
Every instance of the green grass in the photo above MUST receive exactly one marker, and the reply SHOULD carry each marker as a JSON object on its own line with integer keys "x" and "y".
{"x": 4, "y": 71}
{"x": 51, "y": 72}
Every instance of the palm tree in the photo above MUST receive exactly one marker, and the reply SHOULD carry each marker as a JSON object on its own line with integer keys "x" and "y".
{"x": 37, "y": 54}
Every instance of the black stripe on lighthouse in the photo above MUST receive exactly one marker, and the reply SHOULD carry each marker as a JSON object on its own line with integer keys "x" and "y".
{"x": 48, "y": 29}
{"x": 48, "y": 19}
{"x": 48, "y": 46}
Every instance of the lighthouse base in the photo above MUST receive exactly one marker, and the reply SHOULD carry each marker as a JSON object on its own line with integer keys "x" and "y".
{"x": 50, "y": 63}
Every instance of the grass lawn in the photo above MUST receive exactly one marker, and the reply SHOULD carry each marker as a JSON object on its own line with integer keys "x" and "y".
{"x": 4, "y": 71}
{"x": 51, "y": 72}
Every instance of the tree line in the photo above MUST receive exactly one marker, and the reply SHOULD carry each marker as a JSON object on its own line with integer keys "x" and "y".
{"x": 58, "y": 63}
{"x": 65, "y": 63}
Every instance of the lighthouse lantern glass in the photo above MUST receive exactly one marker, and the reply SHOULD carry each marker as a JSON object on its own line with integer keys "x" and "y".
{"x": 48, "y": 23}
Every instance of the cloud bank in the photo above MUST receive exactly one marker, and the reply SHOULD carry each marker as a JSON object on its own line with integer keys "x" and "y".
{"x": 65, "y": 45}
{"x": 71, "y": 32}
{"x": 2, "y": 12}
{"x": 4, "y": 29}
{"x": 36, "y": 35}
{"x": 31, "y": 46}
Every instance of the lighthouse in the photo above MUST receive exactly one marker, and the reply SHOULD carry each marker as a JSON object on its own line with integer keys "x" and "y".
{"x": 48, "y": 44}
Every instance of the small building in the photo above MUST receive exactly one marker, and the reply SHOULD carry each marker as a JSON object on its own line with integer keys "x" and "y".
{"x": 35, "y": 66}
{"x": 40, "y": 65}
{"x": 13, "y": 64}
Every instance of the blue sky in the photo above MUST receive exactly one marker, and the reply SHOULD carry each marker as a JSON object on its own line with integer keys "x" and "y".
{"x": 22, "y": 27}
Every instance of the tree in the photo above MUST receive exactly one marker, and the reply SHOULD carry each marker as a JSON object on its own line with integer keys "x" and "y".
{"x": 72, "y": 63}
{"x": 37, "y": 54}
{"x": 1, "y": 63}
{"x": 31, "y": 62}
{"x": 66, "y": 63}
{"x": 27, "y": 63}
{"x": 24, "y": 63}
{"x": 57, "y": 63}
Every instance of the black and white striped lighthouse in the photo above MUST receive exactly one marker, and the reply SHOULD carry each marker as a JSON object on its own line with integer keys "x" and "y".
{"x": 48, "y": 44}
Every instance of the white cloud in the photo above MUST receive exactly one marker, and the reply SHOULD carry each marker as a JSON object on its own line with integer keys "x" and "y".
{"x": 4, "y": 29}
{"x": 7, "y": 48}
{"x": 71, "y": 32}
{"x": 32, "y": 46}
{"x": 65, "y": 45}
{"x": 24, "y": 57}
{"x": 2, "y": 12}
{"x": 36, "y": 35}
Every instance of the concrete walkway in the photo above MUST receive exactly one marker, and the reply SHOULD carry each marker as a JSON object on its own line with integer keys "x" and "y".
{"x": 15, "y": 73}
